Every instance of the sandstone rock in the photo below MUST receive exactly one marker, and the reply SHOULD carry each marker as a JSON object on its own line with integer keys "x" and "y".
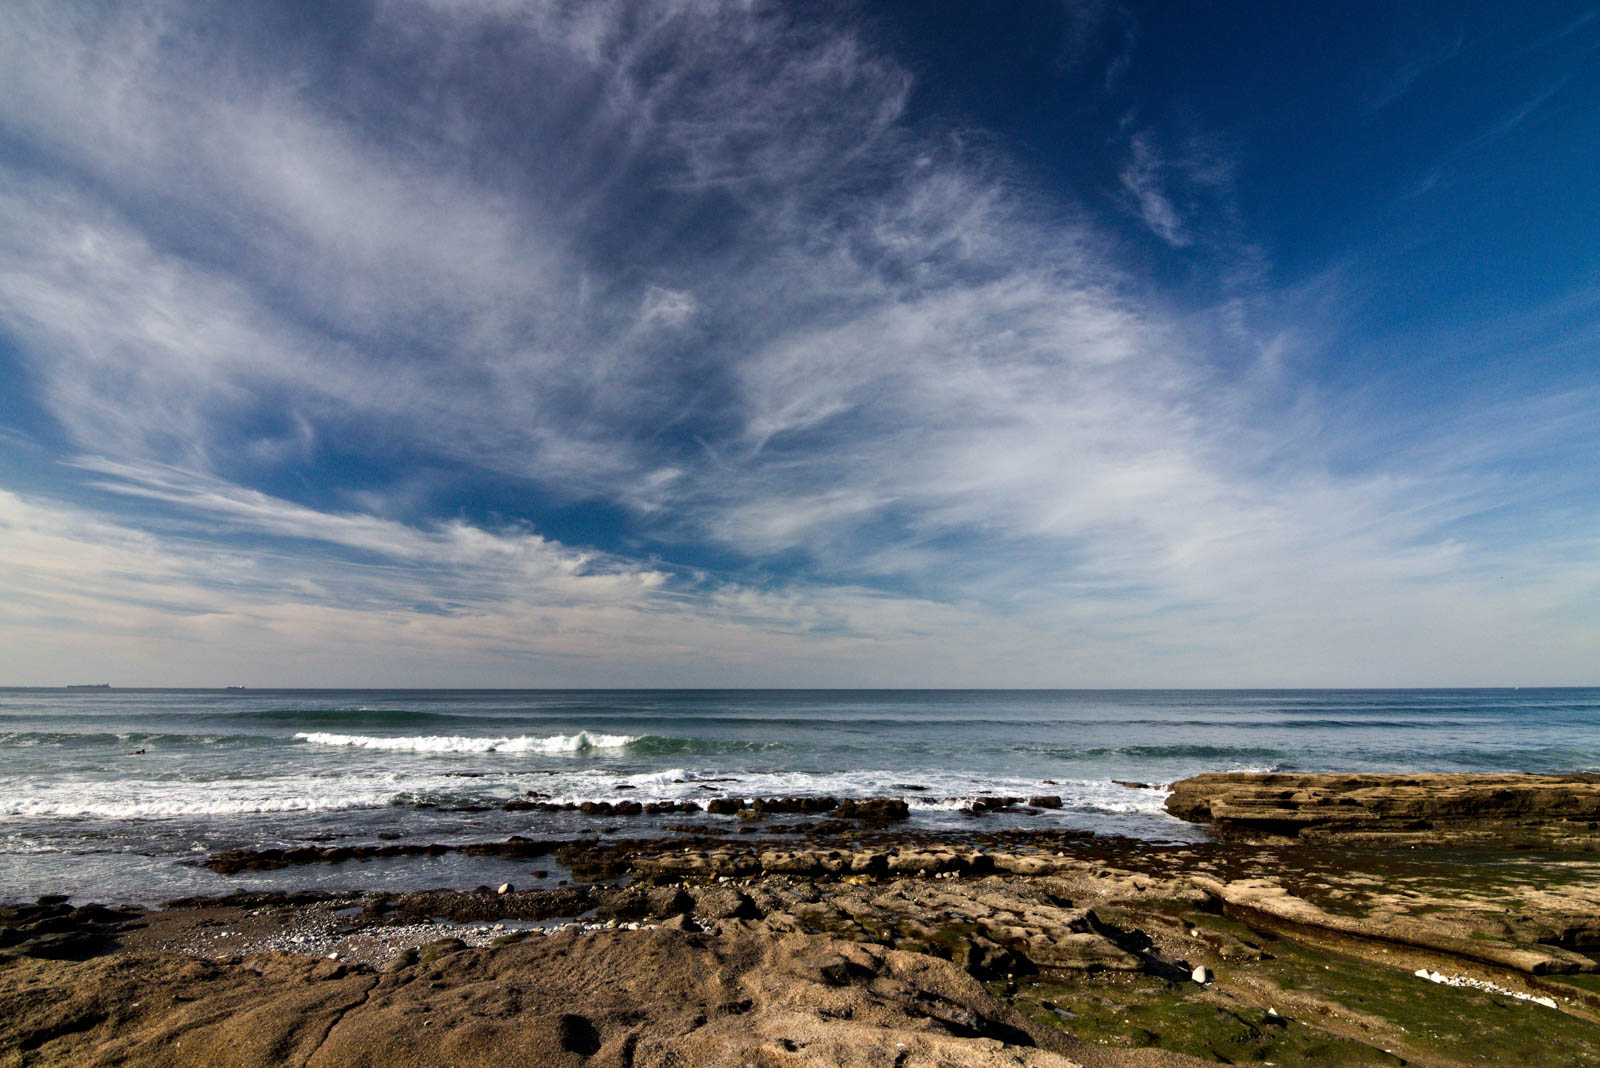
{"x": 1024, "y": 864}
{"x": 798, "y": 1000}
{"x": 1262, "y": 903}
{"x": 1550, "y": 811}
{"x": 724, "y": 903}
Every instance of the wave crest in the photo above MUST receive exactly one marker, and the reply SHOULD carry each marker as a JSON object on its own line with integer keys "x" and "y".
{"x": 451, "y": 743}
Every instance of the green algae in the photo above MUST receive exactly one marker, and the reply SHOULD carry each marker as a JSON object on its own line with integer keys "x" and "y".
{"x": 1433, "y": 1021}
{"x": 1149, "y": 1013}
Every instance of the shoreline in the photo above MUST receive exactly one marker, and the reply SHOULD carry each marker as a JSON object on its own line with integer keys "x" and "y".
{"x": 977, "y": 947}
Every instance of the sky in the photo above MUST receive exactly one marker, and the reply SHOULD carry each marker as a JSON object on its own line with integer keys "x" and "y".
{"x": 1048, "y": 344}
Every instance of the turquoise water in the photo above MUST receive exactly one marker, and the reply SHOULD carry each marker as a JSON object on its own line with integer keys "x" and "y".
{"x": 108, "y": 794}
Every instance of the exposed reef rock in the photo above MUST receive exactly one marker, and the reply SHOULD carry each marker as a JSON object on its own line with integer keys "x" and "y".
{"x": 55, "y": 930}
{"x": 877, "y": 947}
{"x": 870, "y": 942}
{"x": 1559, "y": 812}
{"x": 232, "y": 861}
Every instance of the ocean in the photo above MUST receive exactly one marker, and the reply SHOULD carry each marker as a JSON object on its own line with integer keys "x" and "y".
{"x": 113, "y": 794}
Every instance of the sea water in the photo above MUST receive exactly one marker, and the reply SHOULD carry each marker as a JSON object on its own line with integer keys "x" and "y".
{"x": 113, "y": 794}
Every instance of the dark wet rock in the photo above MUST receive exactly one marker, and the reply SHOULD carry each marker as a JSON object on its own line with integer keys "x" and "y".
{"x": 1133, "y": 785}
{"x": 542, "y": 806}
{"x": 232, "y": 861}
{"x": 724, "y": 806}
{"x": 983, "y": 805}
{"x": 984, "y": 959}
{"x": 611, "y": 808}
{"x": 794, "y": 804}
{"x": 54, "y": 930}
{"x": 514, "y": 847}
{"x": 874, "y": 809}
{"x": 672, "y": 806}
{"x": 1045, "y": 801}
{"x": 590, "y": 860}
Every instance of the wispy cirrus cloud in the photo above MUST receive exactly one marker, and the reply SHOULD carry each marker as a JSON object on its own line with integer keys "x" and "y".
{"x": 701, "y": 266}
{"x": 1144, "y": 180}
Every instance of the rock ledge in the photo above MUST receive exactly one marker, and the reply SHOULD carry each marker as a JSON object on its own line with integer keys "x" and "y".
{"x": 1500, "y": 811}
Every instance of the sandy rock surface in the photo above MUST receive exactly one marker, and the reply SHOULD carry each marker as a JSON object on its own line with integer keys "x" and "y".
{"x": 643, "y": 998}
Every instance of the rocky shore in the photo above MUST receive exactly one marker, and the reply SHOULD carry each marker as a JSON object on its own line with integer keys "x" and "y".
{"x": 1500, "y": 811}
{"x": 1287, "y": 939}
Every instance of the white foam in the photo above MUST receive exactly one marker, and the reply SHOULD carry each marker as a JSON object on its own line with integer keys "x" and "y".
{"x": 946, "y": 791}
{"x": 1081, "y": 794}
{"x": 450, "y": 743}
{"x": 147, "y": 799}
{"x": 664, "y": 778}
{"x": 946, "y": 794}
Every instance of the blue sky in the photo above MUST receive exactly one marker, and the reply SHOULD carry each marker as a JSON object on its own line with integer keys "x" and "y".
{"x": 496, "y": 343}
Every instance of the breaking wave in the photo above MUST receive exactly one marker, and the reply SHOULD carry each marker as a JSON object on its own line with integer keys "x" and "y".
{"x": 581, "y": 742}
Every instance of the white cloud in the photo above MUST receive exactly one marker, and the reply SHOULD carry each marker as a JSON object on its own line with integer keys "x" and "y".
{"x": 1142, "y": 178}
{"x": 80, "y": 593}
{"x": 692, "y": 262}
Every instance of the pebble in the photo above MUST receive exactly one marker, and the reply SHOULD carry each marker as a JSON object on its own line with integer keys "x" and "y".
{"x": 1484, "y": 985}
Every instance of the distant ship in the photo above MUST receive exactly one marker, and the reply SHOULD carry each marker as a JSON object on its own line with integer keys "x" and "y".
{"x": 233, "y": 687}
{"x": 91, "y": 686}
